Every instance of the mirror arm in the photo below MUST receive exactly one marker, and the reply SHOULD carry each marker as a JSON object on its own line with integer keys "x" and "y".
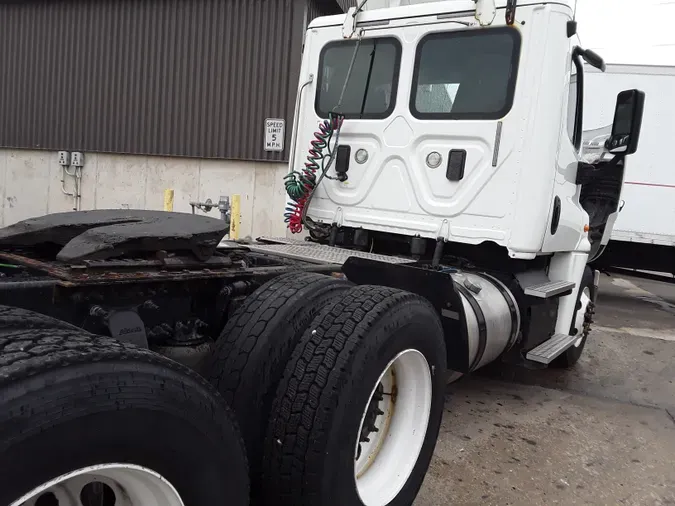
{"x": 579, "y": 112}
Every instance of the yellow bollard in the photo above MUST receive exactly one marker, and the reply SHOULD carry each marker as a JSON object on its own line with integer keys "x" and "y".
{"x": 235, "y": 217}
{"x": 168, "y": 200}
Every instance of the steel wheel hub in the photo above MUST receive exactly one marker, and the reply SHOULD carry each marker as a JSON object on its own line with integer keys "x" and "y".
{"x": 104, "y": 485}
{"x": 393, "y": 429}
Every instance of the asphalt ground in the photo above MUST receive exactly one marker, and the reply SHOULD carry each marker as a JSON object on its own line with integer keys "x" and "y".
{"x": 602, "y": 433}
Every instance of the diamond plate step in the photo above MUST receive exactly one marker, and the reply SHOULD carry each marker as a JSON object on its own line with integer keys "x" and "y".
{"x": 286, "y": 240}
{"x": 550, "y": 289}
{"x": 321, "y": 254}
{"x": 548, "y": 350}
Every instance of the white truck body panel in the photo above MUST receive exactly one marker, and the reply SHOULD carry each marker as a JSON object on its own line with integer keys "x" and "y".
{"x": 648, "y": 213}
{"x": 506, "y": 194}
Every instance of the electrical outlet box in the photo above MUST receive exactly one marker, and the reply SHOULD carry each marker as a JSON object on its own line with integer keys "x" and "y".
{"x": 64, "y": 158}
{"x": 77, "y": 159}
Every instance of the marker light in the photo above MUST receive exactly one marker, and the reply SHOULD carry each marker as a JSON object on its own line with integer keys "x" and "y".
{"x": 361, "y": 156}
{"x": 434, "y": 159}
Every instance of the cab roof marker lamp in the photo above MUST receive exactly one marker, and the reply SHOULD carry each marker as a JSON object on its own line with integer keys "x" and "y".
{"x": 486, "y": 11}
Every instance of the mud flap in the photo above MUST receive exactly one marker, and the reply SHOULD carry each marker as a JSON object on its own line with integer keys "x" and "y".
{"x": 435, "y": 286}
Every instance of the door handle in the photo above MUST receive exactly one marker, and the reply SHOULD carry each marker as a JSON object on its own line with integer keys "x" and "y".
{"x": 456, "y": 163}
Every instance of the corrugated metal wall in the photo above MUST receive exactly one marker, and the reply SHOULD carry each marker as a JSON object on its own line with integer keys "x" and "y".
{"x": 317, "y": 8}
{"x": 346, "y": 4}
{"x": 168, "y": 77}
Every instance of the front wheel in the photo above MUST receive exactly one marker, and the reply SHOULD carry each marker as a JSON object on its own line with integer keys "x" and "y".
{"x": 581, "y": 323}
{"x": 357, "y": 414}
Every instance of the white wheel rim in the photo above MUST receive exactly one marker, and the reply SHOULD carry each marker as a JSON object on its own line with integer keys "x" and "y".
{"x": 383, "y": 464}
{"x": 585, "y": 299}
{"x": 111, "y": 484}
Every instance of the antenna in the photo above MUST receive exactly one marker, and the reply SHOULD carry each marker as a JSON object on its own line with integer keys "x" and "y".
{"x": 360, "y": 7}
{"x": 574, "y": 16}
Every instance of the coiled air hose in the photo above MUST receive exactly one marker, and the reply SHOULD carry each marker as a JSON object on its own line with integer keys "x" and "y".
{"x": 300, "y": 185}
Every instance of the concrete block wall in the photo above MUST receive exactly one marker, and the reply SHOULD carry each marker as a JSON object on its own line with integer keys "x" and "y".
{"x": 30, "y": 186}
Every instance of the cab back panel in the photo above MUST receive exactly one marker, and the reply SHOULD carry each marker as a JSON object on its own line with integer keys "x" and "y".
{"x": 430, "y": 85}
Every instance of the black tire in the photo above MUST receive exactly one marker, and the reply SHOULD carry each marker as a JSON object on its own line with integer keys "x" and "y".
{"x": 69, "y": 400}
{"x": 572, "y": 355}
{"x": 255, "y": 347}
{"x": 317, "y": 411}
{"x": 22, "y": 319}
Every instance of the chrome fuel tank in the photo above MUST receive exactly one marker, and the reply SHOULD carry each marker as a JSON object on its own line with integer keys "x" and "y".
{"x": 492, "y": 316}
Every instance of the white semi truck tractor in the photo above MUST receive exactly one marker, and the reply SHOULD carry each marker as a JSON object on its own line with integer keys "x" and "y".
{"x": 144, "y": 361}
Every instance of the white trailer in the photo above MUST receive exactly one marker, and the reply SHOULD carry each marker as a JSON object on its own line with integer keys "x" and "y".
{"x": 644, "y": 232}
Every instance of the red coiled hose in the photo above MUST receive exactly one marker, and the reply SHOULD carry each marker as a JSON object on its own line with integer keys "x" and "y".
{"x": 301, "y": 185}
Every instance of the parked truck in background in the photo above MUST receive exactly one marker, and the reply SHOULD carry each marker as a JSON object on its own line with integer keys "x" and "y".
{"x": 643, "y": 236}
{"x": 144, "y": 361}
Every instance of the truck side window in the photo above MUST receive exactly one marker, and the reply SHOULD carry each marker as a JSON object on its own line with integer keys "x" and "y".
{"x": 371, "y": 88}
{"x": 572, "y": 106}
{"x": 465, "y": 74}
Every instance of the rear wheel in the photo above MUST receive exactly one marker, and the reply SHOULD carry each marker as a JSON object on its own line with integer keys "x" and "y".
{"x": 22, "y": 319}
{"x": 357, "y": 414}
{"x": 90, "y": 421}
{"x": 255, "y": 347}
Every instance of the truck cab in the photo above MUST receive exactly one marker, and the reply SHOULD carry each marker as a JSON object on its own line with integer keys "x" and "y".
{"x": 463, "y": 132}
{"x": 450, "y": 132}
